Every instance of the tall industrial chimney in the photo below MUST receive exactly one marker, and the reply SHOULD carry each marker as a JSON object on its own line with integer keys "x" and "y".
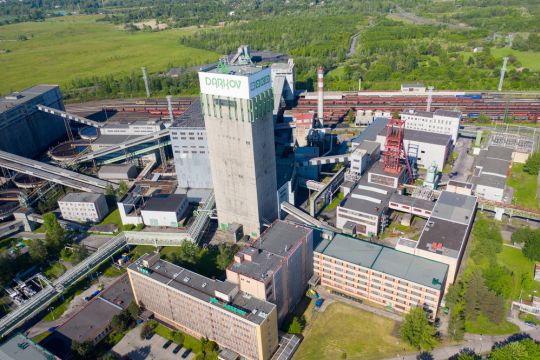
{"x": 145, "y": 78}
{"x": 320, "y": 90}
{"x": 169, "y": 107}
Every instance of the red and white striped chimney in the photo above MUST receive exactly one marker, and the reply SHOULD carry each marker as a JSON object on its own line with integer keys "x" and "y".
{"x": 320, "y": 90}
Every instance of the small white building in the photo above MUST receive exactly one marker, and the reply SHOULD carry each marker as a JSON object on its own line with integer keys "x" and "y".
{"x": 164, "y": 210}
{"x": 117, "y": 172}
{"x": 491, "y": 172}
{"x": 83, "y": 207}
{"x": 413, "y": 88}
{"x": 439, "y": 122}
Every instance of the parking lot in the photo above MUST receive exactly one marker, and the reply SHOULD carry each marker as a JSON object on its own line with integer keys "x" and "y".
{"x": 135, "y": 348}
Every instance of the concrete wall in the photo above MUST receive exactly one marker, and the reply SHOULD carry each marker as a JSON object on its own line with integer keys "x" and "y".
{"x": 242, "y": 158}
{"x": 191, "y": 158}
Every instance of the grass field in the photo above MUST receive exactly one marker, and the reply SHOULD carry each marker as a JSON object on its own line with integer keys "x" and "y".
{"x": 528, "y": 59}
{"x": 59, "y": 50}
{"x": 113, "y": 218}
{"x": 523, "y": 272}
{"x": 189, "y": 341}
{"x": 342, "y": 329}
{"x": 525, "y": 186}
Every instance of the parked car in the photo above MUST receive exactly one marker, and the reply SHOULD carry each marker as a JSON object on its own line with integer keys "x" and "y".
{"x": 186, "y": 353}
{"x": 167, "y": 344}
{"x": 149, "y": 336}
{"x": 177, "y": 349}
{"x": 530, "y": 323}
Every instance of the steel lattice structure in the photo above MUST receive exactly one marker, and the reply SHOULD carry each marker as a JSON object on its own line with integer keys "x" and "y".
{"x": 394, "y": 150}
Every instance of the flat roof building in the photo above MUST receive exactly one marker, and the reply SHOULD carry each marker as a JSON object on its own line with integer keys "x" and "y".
{"x": 26, "y": 131}
{"x": 445, "y": 234}
{"x": 379, "y": 274}
{"x": 164, "y": 210}
{"x": 204, "y": 307}
{"x": 118, "y": 172}
{"x": 276, "y": 267}
{"x": 19, "y": 347}
{"x": 439, "y": 121}
{"x": 83, "y": 207}
{"x": 491, "y": 172}
{"x": 237, "y": 104}
{"x": 190, "y": 149}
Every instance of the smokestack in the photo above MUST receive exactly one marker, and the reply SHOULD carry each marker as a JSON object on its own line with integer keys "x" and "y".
{"x": 145, "y": 78}
{"x": 169, "y": 107}
{"x": 320, "y": 90}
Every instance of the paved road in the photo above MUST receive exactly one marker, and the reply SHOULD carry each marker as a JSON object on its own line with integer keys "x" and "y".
{"x": 463, "y": 165}
{"x": 352, "y": 47}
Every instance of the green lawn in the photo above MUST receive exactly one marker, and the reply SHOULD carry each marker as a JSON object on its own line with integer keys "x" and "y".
{"x": 525, "y": 186}
{"x": 113, "y": 218}
{"x": 482, "y": 325}
{"x": 342, "y": 329}
{"x": 58, "y": 309}
{"x": 523, "y": 272}
{"x": 41, "y": 337}
{"x": 189, "y": 341}
{"x": 61, "y": 49}
{"x": 528, "y": 59}
{"x": 55, "y": 270}
{"x": 112, "y": 271}
{"x": 335, "y": 202}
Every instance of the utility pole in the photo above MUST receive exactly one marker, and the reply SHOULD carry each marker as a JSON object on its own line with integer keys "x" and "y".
{"x": 503, "y": 71}
{"x": 145, "y": 78}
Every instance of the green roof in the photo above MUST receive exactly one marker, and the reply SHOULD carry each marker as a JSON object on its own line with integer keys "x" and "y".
{"x": 406, "y": 266}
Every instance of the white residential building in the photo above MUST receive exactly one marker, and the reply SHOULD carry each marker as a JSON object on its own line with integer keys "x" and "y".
{"x": 440, "y": 121}
{"x": 83, "y": 207}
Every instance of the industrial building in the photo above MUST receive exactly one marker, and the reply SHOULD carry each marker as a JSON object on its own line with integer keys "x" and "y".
{"x": 26, "y": 131}
{"x": 364, "y": 209}
{"x": 382, "y": 275}
{"x": 119, "y": 132}
{"x": 118, "y": 172}
{"x": 237, "y": 103}
{"x": 363, "y": 156}
{"x": 190, "y": 149}
{"x": 83, "y": 207}
{"x": 91, "y": 323}
{"x": 446, "y": 232}
{"x": 164, "y": 210}
{"x": 19, "y": 347}
{"x": 424, "y": 148}
{"x": 204, "y": 307}
{"x": 283, "y": 83}
{"x": 439, "y": 122}
{"x": 490, "y": 173}
{"x": 276, "y": 267}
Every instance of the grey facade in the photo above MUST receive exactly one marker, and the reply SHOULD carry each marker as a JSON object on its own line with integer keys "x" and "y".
{"x": 190, "y": 150}
{"x": 26, "y": 131}
{"x": 237, "y": 107}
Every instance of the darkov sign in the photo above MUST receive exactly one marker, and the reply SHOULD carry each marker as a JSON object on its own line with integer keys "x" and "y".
{"x": 239, "y": 86}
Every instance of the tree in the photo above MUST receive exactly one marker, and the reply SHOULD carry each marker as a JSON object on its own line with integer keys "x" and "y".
{"x": 37, "y": 251}
{"x": 187, "y": 253}
{"x": 225, "y": 255}
{"x": 133, "y": 310}
{"x": 55, "y": 235}
{"x": 521, "y": 235}
{"x": 417, "y": 331}
{"x": 78, "y": 254}
{"x": 499, "y": 279}
{"x": 296, "y": 326}
{"x": 532, "y": 165}
{"x": 465, "y": 354}
{"x": 121, "y": 322}
{"x": 122, "y": 190}
{"x": 532, "y": 246}
{"x": 109, "y": 190}
{"x": 475, "y": 289}
{"x": 513, "y": 350}
{"x": 456, "y": 325}
{"x": 84, "y": 350}
{"x": 146, "y": 330}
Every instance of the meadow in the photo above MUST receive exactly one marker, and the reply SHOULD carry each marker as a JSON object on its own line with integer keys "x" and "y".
{"x": 62, "y": 49}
